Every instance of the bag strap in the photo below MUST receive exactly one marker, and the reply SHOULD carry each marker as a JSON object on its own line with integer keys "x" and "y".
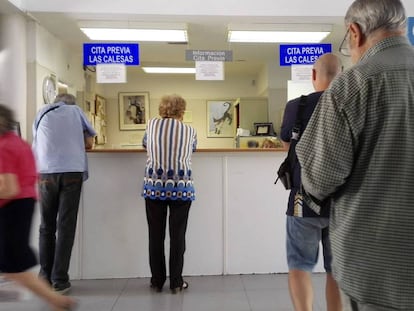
{"x": 44, "y": 113}
{"x": 291, "y": 156}
{"x": 296, "y": 131}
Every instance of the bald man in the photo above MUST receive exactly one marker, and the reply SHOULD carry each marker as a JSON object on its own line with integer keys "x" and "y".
{"x": 305, "y": 229}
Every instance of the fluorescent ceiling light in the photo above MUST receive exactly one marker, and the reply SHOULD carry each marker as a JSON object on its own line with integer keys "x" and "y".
{"x": 278, "y": 33}
{"x": 276, "y": 36}
{"x": 168, "y": 70}
{"x": 127, "y": 34}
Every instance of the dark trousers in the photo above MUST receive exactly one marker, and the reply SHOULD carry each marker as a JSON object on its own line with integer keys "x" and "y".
{"x": 16, "y": 255}
{"x": 59, "y": 205}
{"x": 157, "y": 217}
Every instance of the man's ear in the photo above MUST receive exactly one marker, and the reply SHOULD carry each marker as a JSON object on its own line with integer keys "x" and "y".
{"x": 313, "y": 74}
{"x": 356, "y": 37}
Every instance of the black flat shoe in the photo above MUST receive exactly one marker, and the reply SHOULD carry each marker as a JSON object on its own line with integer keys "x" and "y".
{"x": 156, "y": 288}
{"x": 180, "y": 288}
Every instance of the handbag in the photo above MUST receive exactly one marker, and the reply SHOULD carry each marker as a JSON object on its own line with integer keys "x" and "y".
{"x": 285, "y": 171}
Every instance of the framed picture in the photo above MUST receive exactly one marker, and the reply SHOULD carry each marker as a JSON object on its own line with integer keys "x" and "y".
{"x": 100, "y": 106}
{"x": 220, "y": 118}
{"x": 100, "y": 120}
{"x": 263, "y": 129}
{"x": 133, "y": 110}
{"x": 90, "y": 107}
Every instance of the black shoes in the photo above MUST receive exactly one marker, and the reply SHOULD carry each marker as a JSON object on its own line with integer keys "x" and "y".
{"x": 180, "y": 288}
{"x": 175, "y": 290}
{"x": 62, "y": 288}
{"x": 156, "y": 288}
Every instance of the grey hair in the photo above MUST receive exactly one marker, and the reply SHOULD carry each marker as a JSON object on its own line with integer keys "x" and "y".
{"x": 6, "y": 119}
{"x": 371, "y": 15}
{"x": 68, "y": 99}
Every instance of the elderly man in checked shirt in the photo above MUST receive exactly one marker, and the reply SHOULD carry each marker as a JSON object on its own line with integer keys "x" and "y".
{"x": 358, "y": 152}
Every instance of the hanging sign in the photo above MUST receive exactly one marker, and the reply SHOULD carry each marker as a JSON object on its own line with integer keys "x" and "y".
{"x": 111, "y": 73}
{"x": 302, "y": 54}
{"x": 410, "y": 29}
{"x": 209, "y": 70}
{"x": 301, "y": 73}
{"x": 110, "y": 53}
{"x": 208, "y": 56}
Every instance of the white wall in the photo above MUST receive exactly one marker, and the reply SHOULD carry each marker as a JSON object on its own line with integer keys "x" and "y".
{"x": 52, "y": 56}
{"x": 13, "y": 66}
{"x": 25, "y": 61}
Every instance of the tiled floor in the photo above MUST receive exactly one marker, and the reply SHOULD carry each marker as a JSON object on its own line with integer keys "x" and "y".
{"x": 206, "y": 293}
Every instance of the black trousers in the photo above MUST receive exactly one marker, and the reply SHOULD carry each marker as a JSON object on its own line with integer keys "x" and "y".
{"x": 16, "y": 255}
{"x": 157, "y": 220}
{"x": 59, "y": 205}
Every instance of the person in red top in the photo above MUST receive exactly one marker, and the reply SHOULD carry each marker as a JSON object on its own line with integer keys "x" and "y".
{"x": 17, "y": 200}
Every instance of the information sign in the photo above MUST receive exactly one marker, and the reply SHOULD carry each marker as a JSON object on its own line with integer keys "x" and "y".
{"x": 208, "y": 56}
{"x": 410, "y": 29}
{"x": 302, "y": 54}
{"x": 110, "y": 53}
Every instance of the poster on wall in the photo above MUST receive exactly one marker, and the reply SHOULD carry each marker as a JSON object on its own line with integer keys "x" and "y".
{"x": 220, "y": 118}
{"x": 100, "y": 120}
{"x": 133, "y": 110}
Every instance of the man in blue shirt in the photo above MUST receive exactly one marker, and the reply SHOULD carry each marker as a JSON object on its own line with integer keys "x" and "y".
{"x": 304, "y": 228}
{"x": 61, "y": 134}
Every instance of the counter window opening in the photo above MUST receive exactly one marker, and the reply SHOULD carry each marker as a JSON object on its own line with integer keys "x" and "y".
{"x": 264, "y": 129}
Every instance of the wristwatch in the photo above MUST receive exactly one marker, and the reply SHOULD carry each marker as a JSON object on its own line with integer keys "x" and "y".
{"x": 49, "y": 89}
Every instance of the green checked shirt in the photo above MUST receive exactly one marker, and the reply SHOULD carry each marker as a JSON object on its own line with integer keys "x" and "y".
{"x": 358, "y": 151}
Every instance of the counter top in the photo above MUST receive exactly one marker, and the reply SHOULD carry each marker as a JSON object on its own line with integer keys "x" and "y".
{"x": 197, "y": 151}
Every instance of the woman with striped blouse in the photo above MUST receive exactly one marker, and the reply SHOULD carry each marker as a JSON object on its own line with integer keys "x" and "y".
{"x": 168, "y": 185}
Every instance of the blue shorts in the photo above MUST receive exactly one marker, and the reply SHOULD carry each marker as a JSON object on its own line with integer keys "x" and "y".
{"x": 303, "y": 235}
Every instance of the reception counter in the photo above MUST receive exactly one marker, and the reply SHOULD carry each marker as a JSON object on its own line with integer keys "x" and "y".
{"x": 236, "y": 224}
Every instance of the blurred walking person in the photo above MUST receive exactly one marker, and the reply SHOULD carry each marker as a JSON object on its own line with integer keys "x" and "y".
{"x": 17, "y": 200}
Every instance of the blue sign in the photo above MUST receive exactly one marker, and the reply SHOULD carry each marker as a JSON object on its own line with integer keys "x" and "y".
{"x": 302, "y": 54}
{"x": 410, "y": 29}
{"x": 110, "y": 53}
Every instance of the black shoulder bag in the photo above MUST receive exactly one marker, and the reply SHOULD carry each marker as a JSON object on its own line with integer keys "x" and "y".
{"x": 285, "y": 171}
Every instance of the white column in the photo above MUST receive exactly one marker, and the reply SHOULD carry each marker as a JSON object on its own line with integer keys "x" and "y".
{"x": 13, "y": 70}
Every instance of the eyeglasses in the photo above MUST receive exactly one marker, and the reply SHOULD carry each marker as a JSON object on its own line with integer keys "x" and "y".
{"x": 344, "y": 47}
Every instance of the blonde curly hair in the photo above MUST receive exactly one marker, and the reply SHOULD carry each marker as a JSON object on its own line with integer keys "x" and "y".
{"x": 172, "y": 106}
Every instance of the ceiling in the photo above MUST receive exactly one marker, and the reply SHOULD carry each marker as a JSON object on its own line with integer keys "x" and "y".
{"x": 204, "y": 33}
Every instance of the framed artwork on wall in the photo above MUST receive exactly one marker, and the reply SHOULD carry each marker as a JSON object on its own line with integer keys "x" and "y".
{"x": 100, "y": 120}
{"x": 220, "y": 118}
{"x": 89, "y": 107}
{"x": 133, "y": 110}
{"x": 264, "y": 129}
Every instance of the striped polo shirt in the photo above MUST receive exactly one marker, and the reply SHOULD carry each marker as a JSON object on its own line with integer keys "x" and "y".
{"x": 170, "y": 144}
